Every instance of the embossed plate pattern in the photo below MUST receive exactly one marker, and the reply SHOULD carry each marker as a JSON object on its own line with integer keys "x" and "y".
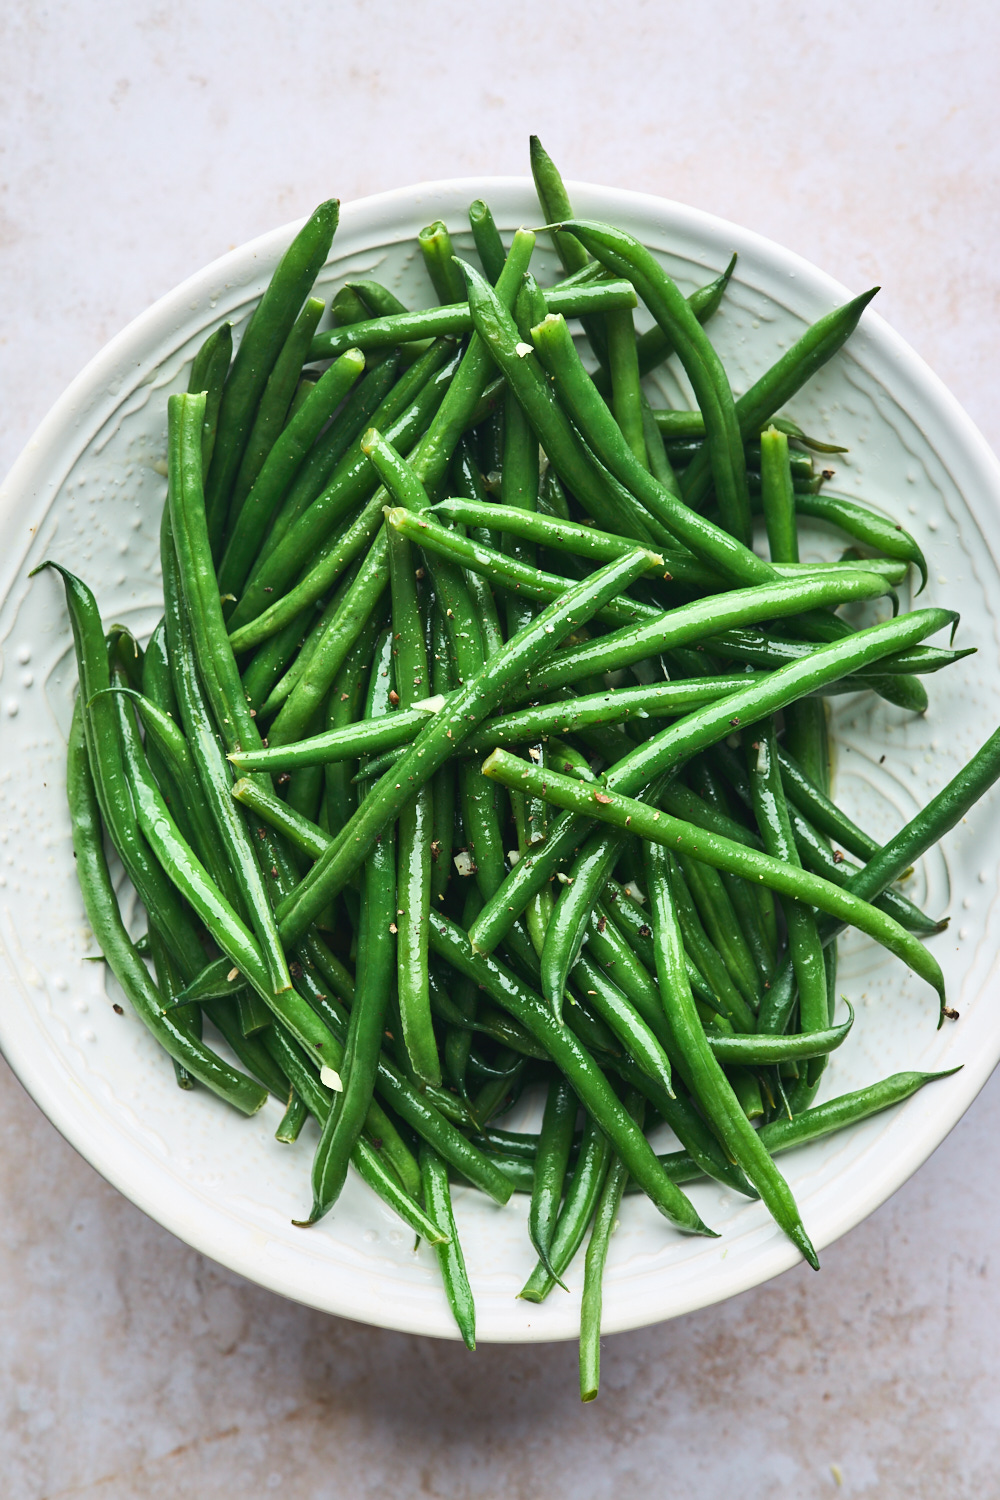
{"x": 88, "y": 491}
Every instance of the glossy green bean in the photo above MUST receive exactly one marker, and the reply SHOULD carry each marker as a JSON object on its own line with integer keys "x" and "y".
{"x": 209, "y": 369}
{"x": 249, "y": 522}
{"x": 312, "y": 550}
{"x": 104, "y": 752}
{"x": 489, "y": 246}
{"x": 724, "y": 446}
{"x": 669, "y": 748}
{"x": 696, "y": 621}
{"x": 605, "y": 1223}
{"x": 555, "y": 1142}
{"x": 588, "y": 1178}
{"x": 713, "y": 1090}
{"x": 366, "y": 1157}
{"x": 777, "y": 385}
{"x": 439, "y": 322}
{"x": 277, "y": 400}
{"x": 437, "y": 1197}
{"x": 259, "y": 347}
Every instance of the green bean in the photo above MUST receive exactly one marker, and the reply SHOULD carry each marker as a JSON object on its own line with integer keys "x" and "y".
{"x": 489, "y": 246}
{"x": 600, "y": 492}
{"x": 692, "y": 622}
{"x": 654, "y": 346}
{"x": 822, "y": 1119}
{"x": 713, "y": 1090}
{"x": 659, "y": 827}
{"x": 587, "y": 1080}
{"x": 551, "y": 1161}
{"x": 605, "y": 1222}
{"x": 778, "y": 384}
{"x": 523, "y": 726}
{"x": 724, "y": 445}
{"x": 415, "y": 829}
{"x": 825, "y": 815}
{"x": 250, "y": 521}
{"x": 438, "y": 253}
{"x": 626, "y": 395}
{"x": 555, "y": 205}
{"x": 437, "y": 1196}
{"x": 805, "y": 948}
{"x": 711, "y": 897}
{"x": 816, "y": 855}
{"x": 280, "y": 394}
{"x": 706, "y": 958}
{"x": 208, "y": 373}
{"x": 438, "y": 322}
{"x": 376, "y": 960}
{"x": 258, "y": 349}
{"x": 215, "y": 661}
{"x": 864, "y": 525}
{"x": 522, "y": 579}
{"x": 778, "y": 496}
{"x": 101, "y": 905}
{"x": 768, "y": 650}
{"x": 624, "y": 1021}
{"x": 104, "y": 751}
{"x": 168, "y": 982}
{"x": 946, "y": 808}
{"x": 434, "y": 745}
{"x": 581, "y": 1200}
{"x": 311, "y": 546}
{"x": 757, "y": 1050}
{"x": 728, "y": 553}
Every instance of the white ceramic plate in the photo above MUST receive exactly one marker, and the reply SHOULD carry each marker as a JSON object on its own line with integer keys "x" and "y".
{"x": 88, "y": 491}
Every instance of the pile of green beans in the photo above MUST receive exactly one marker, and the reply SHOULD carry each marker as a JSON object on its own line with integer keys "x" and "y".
{"x": 479, "y": 751}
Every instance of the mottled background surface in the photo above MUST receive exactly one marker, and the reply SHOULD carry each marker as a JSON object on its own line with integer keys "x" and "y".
{"x": 139, "y": 141}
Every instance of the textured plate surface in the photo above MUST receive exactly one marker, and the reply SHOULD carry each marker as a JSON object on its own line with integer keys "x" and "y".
{"x": 88, "y": 492}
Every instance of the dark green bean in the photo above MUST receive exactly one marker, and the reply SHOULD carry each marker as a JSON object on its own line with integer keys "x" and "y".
{"x": 724, "y": 445}
{"x": 250, "y": 521}
{"x": 437, "y": 1197}
{"x": 259, "y": 347}
{"x": 276, "y": 403}
{"x": 605, "y": 1223}
{"x": 581, "y": 1200}
{"x": 659, "y": 827}
{"x": 208, "y": 373}
{"x": 438, "y": 322}
{"x": 713, "y": 1090}
{"x": 551, "y": 1160}
{"x": 778, "y": 384}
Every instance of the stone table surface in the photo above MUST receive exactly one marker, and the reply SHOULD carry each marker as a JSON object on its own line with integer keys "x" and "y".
{"x": 140, "y": 140}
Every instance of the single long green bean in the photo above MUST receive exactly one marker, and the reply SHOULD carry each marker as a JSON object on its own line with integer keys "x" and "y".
{"x": 437, "y": 322}
{"x": 258, "y": 349}
{"x": 713, "y": 1090}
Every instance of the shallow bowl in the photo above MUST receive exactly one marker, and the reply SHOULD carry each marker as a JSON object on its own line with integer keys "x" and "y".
{"x": 88, "y": 491}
